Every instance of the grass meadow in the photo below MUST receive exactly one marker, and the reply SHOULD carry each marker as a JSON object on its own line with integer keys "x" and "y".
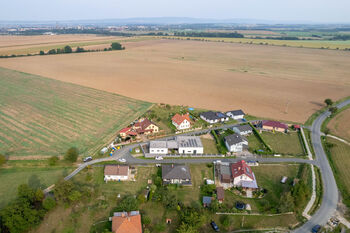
{"x": 40, "y": 116}
{"x": 288, "y": 144}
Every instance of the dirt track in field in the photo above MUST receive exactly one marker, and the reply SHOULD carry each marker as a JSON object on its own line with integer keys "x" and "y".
{"x": 275, "y": 82}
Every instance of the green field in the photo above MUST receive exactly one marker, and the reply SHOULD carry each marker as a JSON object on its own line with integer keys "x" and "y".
{"x": 316, "y": 44}
{"x": 40, "y": 116}
{"x": 340, "y": 161}
{"x": 39, "y": 177}
{"x": 284, "y": 143}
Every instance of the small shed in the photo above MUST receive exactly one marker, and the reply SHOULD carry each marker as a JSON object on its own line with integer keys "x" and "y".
{"x": 206, "y": 201}
{"x": 220, "y": 194}
{"x": 284, "y": 179}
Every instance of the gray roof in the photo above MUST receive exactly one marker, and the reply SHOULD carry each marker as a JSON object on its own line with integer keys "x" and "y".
{"x": 206, "y": 200}
{"x": 234, "y": 139}
{"x": 172, "y": 144}
{"x": 236, "y": 112}
{"x": 225, "y": 169}
{"x": 189, "y": 141}
{"x": 175, "y": 171}
{"x": 210, "y": 115}
{"x": 158, "y": 144}
{"x": 243, "y": 128}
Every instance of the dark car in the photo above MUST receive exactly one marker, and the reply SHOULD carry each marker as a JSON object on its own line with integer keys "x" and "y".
{"x": 316, "y": 229}
{"x": 240, "y": 205}
{"x": 214, "y": 226}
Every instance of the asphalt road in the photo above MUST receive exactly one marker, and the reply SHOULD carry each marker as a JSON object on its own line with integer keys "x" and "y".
{"x": 330, "y": 190}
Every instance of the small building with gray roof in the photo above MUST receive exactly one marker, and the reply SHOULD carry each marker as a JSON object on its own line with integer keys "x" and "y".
{"x": 176, "y": 174}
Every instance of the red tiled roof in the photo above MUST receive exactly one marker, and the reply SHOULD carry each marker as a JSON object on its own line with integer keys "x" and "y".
{"x": 240, "y": 168}
{"x": 127, "y": 224}
{"x": 125, "y": 130}
{"x": 220, "y": 193}
{"x": 178, "y": 119}
{"x": 143, "y": 124}
{"x": 131, "y": 133}
{"x": 116, "y": 170}
{"x": 275, "y": 124}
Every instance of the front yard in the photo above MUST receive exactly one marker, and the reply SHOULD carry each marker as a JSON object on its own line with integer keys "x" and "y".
{"x": 284, "y": 143}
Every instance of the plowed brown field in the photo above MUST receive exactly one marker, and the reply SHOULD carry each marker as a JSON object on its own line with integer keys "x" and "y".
{"x": 340, "y": 125}
{"x": 276, "y": 82}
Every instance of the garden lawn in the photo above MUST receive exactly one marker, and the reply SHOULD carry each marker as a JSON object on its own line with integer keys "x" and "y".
{"x": 281, "y": 143}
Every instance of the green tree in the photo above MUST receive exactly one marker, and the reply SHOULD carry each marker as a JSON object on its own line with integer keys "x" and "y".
{"x": 52, "y": 161}
{"x": 63, "y": 189}
{"x": 80, "y": 50}
{"x": 52, "y": 51}
{"x": 141, "y": 198}
{"x": 49, "y": 203}
{"x": 185, "y": 228}
{"x": 67, "y": 49}
{"x": 41, "y": 52}
{"x": 71, "y": 154}
{"x": 2, "y": 159}
{"x": 116, "y": 46}
{"x": 128, "y": 203}
{"x": 75, "y": 196}
{"x": 146, "y": 220}
{"x": 226, "y": 220}
{"x": 333, "y": 110}
{"x": 328, "y": 102}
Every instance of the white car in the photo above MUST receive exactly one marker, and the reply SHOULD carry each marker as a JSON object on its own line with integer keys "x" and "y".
{"x": 159, "y": 158}
{"x": 122, "y": 160}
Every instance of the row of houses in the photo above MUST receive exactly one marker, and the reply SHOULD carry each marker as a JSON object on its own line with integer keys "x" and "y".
{"x": 142, "y": 127}
{"x": 216, "y": 117}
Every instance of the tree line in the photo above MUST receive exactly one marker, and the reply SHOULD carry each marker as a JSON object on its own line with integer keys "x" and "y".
{"x": 210, "y": 34}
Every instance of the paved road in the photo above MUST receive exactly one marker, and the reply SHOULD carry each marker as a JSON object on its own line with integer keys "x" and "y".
{"x": 330, "y": 190}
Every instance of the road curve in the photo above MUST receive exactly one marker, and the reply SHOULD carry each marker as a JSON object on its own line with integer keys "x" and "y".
{"x": 330, "y": 190}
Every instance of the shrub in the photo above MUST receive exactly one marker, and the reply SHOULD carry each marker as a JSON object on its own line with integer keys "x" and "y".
{"x": 49, "y": 203}
{"x": 71, "y": 154}
{"x": 116, "y": 46}
{"x": 53, "y": 160}
{"x": 2, "y": 159}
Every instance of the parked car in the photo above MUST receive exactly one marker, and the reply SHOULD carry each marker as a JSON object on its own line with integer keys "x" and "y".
{"x": 87, "y": 159}
{"x": 316, "y": 229}
{"x": 240, "y": 205}
{"x": 122, "y": 160}
{"x": 159, "y": 158}
{"x": 214, "y": 226}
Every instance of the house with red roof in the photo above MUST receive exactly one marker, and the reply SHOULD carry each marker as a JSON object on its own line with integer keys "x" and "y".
{"x": 145, "y": 126}
{"x": 126, "y": 222}
{"x": 274, "y": 126}
{"x": 181, "y": 121}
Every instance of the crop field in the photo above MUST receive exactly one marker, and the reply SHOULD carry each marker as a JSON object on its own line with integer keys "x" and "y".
{"x": 340, "y": 153}
{"x": 40, "y": 116}
{"x": 33, "y": 44}
{"x": 288, "y": 144}
{"x": 270, "y": 81}
{"x": 314, "y": 44}
{"x": 340, "y": 125}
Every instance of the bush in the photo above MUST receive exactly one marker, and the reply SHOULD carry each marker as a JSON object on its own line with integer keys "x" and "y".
{"x": 53, "y": 160}
{"x": 41, "y": 53}
{"x": 2, "y": 159}
{"x": 49, "y": 203}
{"x": 116, "y": 46}
{"x": 71, "y": 154}
{"x": 67, "y": 49}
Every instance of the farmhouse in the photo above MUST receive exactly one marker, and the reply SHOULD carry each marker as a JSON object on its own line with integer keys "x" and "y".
{"x": 214, "y": 117}
{"x": 236, "y": 142}
{"x": 181, "y": 145}
{"x": 181, "y": 121}
{"x": 145, "y": 126}
{"x": 274, "y": 126}
{"x": 243, "y": 129}
{"x": 176, "y": 174}
{"x": 116, "y": 172}
{"x": 237, "y": 175}
{"x": 126, "y": 222}
{"x": 236, "y": 114}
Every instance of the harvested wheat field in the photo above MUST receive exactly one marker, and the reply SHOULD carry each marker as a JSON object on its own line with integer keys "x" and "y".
{"x": 33, "y": 44}
{"x": 340, "y": 125}
{"x": 275, "y": 82}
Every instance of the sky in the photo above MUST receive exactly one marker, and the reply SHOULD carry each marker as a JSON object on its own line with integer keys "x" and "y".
{"x": 322, "y": 11}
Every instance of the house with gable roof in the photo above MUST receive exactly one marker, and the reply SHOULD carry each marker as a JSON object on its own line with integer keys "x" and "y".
{"x": 123, "y": 222}
{"x": 181, "y": 121}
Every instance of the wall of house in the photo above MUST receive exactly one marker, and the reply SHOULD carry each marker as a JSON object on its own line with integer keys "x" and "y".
{"x": 273, "y": 129}
{"x": 190, "y": 150}
{"x": 209, "y": 121}
{"x": 184, "y": 125}
{"x": 237, "y": 180}
{"x": 115, "y": 178}
{"x": 158, "y": 151}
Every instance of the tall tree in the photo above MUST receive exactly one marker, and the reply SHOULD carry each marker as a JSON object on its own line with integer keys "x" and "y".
{"x": 67, "y": 49}
{"x": 116, "y": 46}
{"x": 328, "y": 102}
{"x": 71, "y": 154}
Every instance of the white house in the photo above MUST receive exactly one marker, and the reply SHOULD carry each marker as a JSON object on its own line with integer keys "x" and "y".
{"x": 189, "y": 145}
{"x": 236, "y": 114}
{"x": 236, "y": 143}
{"x": 243, "y": 175}
{"x": 243, "y": 129}
{"x": 116, "y": 172}
{"x": 181, "y": 121}
{"x": 214, "y": 117}
{"x": 158, "y": 147}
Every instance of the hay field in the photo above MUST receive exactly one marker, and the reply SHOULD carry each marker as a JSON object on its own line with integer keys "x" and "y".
{"x": 262, "y": 80}
{"x": 33, "y": 44}
{"x": 340, "y": 125}
{"x": 40, "y": 116}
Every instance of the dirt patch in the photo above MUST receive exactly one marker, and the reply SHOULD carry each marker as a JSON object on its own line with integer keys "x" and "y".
{"x": 276, "y": 82}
